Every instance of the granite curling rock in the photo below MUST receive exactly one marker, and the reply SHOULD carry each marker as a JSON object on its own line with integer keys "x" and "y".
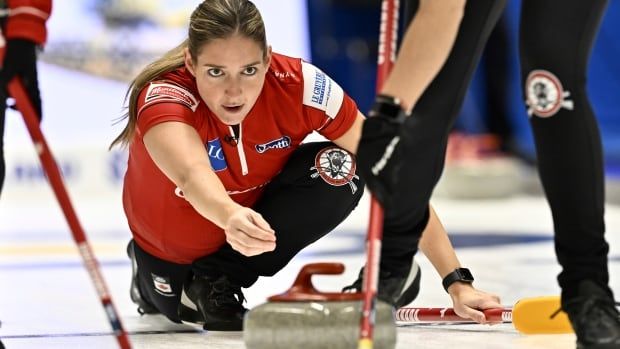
{"x": 304, "y": 318}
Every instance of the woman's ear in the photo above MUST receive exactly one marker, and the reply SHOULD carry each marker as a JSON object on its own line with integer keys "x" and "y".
{"x": 189, "y": 62}
{"x": 268, "y": 56}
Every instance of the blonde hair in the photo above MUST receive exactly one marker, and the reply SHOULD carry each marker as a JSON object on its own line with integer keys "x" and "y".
{"x": 212, "y": 19}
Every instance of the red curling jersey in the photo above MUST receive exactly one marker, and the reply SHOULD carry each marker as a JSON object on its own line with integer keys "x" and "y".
{"x": 26, "y": 20}
{"x": 297, "y": 98}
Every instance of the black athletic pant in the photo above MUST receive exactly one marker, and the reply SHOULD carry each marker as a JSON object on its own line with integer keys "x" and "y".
{"x": 302, "y": 204}
{"x": 429, "y": 125}
{"x": 29, "y": 77}
{"x": 556, "y": 37}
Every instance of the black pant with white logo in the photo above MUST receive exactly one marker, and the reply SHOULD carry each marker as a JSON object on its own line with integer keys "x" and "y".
{"x": 556, "y": 37}
{"x": 317, "y": 189}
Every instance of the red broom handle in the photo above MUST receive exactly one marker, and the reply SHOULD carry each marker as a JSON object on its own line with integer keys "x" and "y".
{"x": 387, "y": 55}
{"x": 415, "y": 315}
{"x": 17, "y": 91}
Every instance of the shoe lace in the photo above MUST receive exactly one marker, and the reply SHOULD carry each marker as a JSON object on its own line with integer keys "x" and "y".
{"x": 226, "y": 293}
{"x": 593, "y": 310}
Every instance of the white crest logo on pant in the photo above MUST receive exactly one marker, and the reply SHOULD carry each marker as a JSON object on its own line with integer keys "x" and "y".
{"x": 336, "y": 167}
{"x": 545, "y": 94}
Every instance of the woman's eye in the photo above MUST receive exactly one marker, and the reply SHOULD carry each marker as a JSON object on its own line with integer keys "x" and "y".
{"x": 215, "y": 72}
{"x": 250, "y": 71}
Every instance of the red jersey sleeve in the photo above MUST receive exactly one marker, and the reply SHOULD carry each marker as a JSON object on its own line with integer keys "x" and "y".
{"x": 162, "y": 101}
{"x": 27, "y": 19}
{"x": 327, "y": 108}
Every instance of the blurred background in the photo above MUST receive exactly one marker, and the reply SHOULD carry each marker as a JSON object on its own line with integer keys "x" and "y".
{"x": 95, "y": 47}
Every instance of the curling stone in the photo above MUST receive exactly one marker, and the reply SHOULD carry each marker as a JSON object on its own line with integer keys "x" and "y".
{"x": 305, "y": 318}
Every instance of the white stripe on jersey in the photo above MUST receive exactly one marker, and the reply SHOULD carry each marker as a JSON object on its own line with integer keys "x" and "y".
{"x": 24, "y": 10}
{"x": 320, "y": 91}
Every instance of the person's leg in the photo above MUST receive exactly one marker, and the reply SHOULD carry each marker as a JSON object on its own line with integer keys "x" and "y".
{"x": 427, "y": 130}
{"x": 30, "y": 78}
{"x": 497, "y": 80}
{"x": 31, "y": 83}
{"x": 2, "y": 122}
{"x": 554, "y": 58}
{"x": 315, "y": 192}
{"x": 159, "y": 282}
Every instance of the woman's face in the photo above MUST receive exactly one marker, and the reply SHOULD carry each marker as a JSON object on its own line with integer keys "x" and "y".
{"x": 230, "y": 74}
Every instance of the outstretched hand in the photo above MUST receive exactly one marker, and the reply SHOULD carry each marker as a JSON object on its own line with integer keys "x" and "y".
{"x": 469, "y": 302}
{"x": 379, "y": 153}
{"x": 248, "y": 233}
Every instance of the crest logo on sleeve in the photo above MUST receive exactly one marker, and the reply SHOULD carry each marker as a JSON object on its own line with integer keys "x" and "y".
{"x": 336, "y": 167}
{"x": 161, "y": 91}
{"x": 545, "y": 94}
{"x": 216, "y": 155}
{"x": 280, "y": 143}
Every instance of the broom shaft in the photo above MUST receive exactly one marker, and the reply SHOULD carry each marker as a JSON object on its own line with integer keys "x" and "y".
{"x": 415, "y": 315}
{"x": 17, "y": 91}
{"x": 387, "y": 54}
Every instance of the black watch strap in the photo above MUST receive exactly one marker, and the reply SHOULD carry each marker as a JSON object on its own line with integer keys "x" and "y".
{"x": 460, "y": 275}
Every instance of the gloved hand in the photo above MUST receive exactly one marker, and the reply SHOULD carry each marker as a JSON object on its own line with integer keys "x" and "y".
{"x": 379, "y": 153}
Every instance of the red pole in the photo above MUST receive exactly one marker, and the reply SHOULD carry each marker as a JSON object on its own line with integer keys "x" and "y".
{"x": 438, "y": 315}
{"x": 17, "y": 91}
{"x": 388, "y": 33}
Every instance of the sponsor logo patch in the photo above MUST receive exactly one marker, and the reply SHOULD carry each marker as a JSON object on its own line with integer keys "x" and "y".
{"x": 336, "y": 167}
{"x": 216, "y": 155}
{"x": 162, "y": 285}
{"x": 280, "y": 143}
{"x": 545, "y": 94}
{"x": 320, "y": 91}
{"x": 161, "y": 91}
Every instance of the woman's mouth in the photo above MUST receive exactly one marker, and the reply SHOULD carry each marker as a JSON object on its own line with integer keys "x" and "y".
{"x": 233, "y": 109}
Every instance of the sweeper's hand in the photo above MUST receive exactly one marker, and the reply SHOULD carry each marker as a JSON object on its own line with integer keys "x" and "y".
{"x": 249, "y": 233}
{"x": 468, "y": 301}
{"x": 379, "y": 152}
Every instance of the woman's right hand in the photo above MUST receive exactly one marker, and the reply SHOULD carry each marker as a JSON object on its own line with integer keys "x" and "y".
{"x": 469, "y": 302}
{"x": 249, "y": 233}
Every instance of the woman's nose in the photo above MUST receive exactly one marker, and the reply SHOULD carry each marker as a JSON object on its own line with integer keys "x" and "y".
{"x": 233, "y": 88}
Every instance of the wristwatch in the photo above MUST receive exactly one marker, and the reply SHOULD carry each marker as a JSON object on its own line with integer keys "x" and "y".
{"x": 460, "y": 275}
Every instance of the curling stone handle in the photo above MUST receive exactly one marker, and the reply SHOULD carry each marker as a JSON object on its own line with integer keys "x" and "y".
{"x": 304, "y": 290}
{"x": 304, "y": 278}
